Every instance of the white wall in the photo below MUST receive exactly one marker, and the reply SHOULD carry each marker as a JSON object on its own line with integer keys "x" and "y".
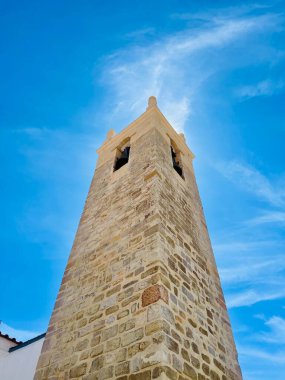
{"x": 5, "y": 344}
{"x": 21, "y": 364}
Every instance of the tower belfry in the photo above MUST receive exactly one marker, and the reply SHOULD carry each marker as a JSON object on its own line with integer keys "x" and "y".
{"x": 141, "y": 297}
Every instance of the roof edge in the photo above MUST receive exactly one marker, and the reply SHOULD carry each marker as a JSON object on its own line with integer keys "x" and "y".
{"x": 24, "y": 344}
{"x": 6, "y": 336}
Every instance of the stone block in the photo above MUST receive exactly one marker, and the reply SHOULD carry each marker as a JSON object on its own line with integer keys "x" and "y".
{"x": 132, "y": 337}
{"x": 97, "y": 364}
{"x": 164, "y": 372}
{"x": 155, "y": 326}
{"x": 78, "y": 371}
{"x": 113, "y": 344}
{"x": 122, "y": 368}
{"x": 96, "y": 351}
{"x": 109, "y": 333}
{"x": 106, "y": 373}
{"x": 190, "y": 372}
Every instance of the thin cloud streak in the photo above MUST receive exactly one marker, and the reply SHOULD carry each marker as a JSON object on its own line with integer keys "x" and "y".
{"x": 258, "y": 264}
{"x": 242, "y": 246}
{"x": 275, "y": 357}
{"x": 264, "y": 88}
{"x": 251, "y": 297}
{"x": 277, "y": 331}
{"x": 250, "y": 180}
{"x": 270, "y": 217}
{"x": 216, "y": 15}
{"x": 167, "y": 68}
{"x": 253, "y": 272}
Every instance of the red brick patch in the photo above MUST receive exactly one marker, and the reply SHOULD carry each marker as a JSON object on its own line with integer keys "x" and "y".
{"x": 153, "y": 294}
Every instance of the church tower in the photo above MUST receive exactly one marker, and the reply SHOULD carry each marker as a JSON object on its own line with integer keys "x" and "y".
{"x": 141, "y": 297}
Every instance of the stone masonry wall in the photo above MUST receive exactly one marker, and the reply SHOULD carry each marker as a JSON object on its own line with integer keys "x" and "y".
{"x": 140, "y": 298}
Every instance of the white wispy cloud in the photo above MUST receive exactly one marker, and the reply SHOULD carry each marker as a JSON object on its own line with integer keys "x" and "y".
{"x": 252, "y": 296}
{"x": 174, "y": 67}
{"x": 277, "y": 331}
{"x": 265, "y": 346}
{"x": 260, "y": 316}
{"x": 216, "y": 14}
{"x": 253, "y": 270}
{"x": 251, "y": 180}
{"x": 256, "y": 261}
{"x": 250, "y": 280}
{"x": 242, "y": 246}
{"x": 141, "y": 33}
{"x": 274, "y": 357}
{"x": 263, "y": 88}
{"x": 269, "y": 217}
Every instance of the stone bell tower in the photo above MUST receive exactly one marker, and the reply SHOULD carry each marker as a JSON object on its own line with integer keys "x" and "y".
{"x": 141, "y": 297}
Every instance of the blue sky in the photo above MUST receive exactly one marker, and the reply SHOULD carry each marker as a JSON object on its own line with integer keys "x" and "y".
{"x": 72, "y": 70}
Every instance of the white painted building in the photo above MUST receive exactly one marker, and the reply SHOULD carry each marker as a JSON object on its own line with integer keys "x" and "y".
{"x": 18, "y": 360}
{"x": 6, "y": 343}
